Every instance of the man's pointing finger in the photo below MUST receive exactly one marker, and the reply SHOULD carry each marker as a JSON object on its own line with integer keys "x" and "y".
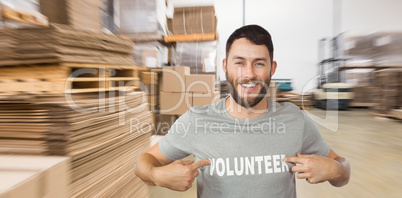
{"x": 302, "y": 155}
{"x": 201, "y": 163}
{"x": 188, "y": 162}
{"x": 296, "y": 160}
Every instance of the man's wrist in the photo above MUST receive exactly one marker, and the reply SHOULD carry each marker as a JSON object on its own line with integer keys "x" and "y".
{"x": 338, "y": 173}
{"x": 153, "y": 175}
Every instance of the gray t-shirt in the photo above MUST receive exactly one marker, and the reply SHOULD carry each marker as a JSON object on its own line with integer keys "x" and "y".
{"x": 247, "y": 155}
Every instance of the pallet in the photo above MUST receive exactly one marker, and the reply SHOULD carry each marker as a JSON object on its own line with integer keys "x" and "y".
{"x": 282, "y": 99}
{"x": 191, "y": 37}
{"x": 342, "y": 68}
{"x": 25, "y": 17}
{"x": 304, "y": 108}
{"x": 389, "y": 65}
{"x": 396, "y": 113}
{"x": 381, "y": 115}
{"x": 59, "y": 78}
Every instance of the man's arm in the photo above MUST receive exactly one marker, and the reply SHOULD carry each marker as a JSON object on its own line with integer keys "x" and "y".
{"x": 154, "y": 168}
{"x": 148, "y": 161}
{"x": 317, "y": 169}
{"x": 344, "y": 169}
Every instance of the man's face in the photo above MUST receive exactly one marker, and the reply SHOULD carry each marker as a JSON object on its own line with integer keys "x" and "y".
{"x": 248, "y": 69}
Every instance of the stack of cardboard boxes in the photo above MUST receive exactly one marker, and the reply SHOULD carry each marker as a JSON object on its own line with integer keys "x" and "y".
{"x": 61, "y": 43}
{"x": 381, "y": 52}
{"x": 388, "y": 49}
{"x": 360, "y": 96}
{"x": 173, "y": 97}
{"x": 388, "y": 90}
{"x": 102, "y": 138}
{"x": 194, "y": 20}
{"x": 182, "y": 90}
{"x": 362, "y": 87}
{"x": 199, "y": 54}
{"x": 381, "y": 49}
{"x": 85, "y": 15}
{"x": 150, "y": 86}
{"x": 358, "y": 50}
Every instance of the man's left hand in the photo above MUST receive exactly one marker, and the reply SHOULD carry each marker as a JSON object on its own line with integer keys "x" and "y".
{"x": 314, "y": 168}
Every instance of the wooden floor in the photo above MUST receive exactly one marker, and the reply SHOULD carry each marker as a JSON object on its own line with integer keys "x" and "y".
{"x": 372, "y": 145}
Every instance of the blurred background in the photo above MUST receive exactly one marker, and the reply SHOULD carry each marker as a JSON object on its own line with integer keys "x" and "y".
{"x": 86, "y": 86}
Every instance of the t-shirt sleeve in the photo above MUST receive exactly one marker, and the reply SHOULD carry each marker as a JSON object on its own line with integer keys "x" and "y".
{"x": 176, "y": 143}
{"x": 313, "y": 143}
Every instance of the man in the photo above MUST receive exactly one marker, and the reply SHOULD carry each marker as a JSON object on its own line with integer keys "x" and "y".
{"x": 244, "y": 145}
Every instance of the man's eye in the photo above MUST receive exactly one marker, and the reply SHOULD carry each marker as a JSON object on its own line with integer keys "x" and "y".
{"x": 239, "y": 63}
{"x": 260, "y": 64}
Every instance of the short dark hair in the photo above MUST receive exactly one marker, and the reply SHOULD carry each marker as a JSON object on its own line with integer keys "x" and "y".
{"x": 254, "y": 33}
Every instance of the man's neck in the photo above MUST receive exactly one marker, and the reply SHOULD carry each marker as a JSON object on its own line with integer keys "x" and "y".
{"x": 241, "y": 112}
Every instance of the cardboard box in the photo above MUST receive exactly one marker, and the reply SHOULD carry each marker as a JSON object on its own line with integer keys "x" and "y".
{"x": 150, "y": 90}
{"x": 175, "y": 103}
{"x": 84, "y": 15}
{"x": 174, "y": 79}
{"x": 163, "y": 123}
{"x": 182, "y": 70}
{"x": 34, "y": 176}
{"x": 169, "y": 23}
{"x": 152, "y": 100}
{"x": 202, "y": 99}
{"x": 20, "y": 184}
{"x": 388, "y": 49}
{"x": 194, "y": 20}
{"x": 200, "y": 83}
{"x": 149, "y": 78}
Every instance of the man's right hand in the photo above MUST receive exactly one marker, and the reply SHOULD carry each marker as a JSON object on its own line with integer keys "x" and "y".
{"x": 178, "y": 175}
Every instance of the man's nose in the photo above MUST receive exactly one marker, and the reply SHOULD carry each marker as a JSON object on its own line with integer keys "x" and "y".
{"x": 248, "y": 72}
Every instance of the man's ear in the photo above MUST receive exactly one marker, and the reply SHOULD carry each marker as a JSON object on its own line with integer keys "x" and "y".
{"x": 273, "y": 68}
{"x": 224, "y": 67}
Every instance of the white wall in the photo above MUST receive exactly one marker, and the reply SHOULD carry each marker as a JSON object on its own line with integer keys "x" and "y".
{"x": 230, "y": 17}
{"x": 368, "y": 16}
{"x": 297, "y": 25}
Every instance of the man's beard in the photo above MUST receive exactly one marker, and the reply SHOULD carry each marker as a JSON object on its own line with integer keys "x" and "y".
{"x": 249, "y": 102}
